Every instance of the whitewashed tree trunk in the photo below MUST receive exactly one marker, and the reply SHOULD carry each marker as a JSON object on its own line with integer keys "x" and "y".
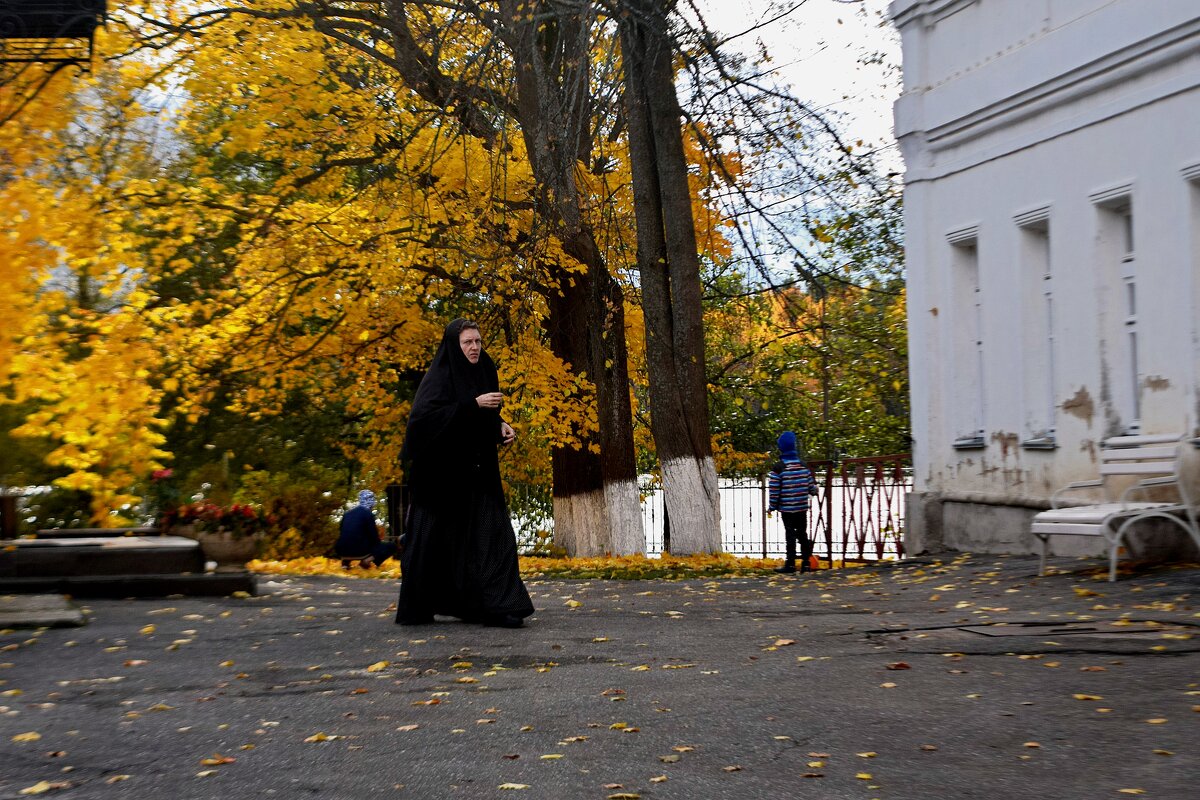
{"x": 628, "y": 536}
{"x": 595, "y": 488}
{"x": 670, "y": 280}
{"x": 693, "y": 505}
{"x": 580, "y": 523}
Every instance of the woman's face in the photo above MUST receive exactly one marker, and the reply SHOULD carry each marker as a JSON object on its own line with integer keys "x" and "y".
{"x": 471, "y": 344}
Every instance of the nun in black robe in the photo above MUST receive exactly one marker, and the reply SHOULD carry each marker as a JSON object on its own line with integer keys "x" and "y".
{"x": 460, "y": 551}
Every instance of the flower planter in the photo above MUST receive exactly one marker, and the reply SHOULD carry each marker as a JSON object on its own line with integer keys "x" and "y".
{"x": 229, "y": 551}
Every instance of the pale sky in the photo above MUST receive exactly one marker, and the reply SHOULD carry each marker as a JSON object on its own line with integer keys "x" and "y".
{"x": 817, "y": 47}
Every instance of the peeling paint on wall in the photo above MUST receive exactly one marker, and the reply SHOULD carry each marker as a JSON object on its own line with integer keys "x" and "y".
{"x": 1081, "y": 405}
{"x": 1157, "y": 383}
{"x": 1007, "y": 441}
{"x": 1112, "y": 419}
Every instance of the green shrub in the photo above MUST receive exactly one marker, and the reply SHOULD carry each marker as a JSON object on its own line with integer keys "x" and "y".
{"x": 302, "y": 507}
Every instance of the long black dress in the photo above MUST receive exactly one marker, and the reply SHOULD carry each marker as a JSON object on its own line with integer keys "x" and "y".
{"x": 460, "y": 555}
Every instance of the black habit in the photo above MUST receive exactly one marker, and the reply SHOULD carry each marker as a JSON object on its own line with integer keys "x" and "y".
{"x": 460, "y": 552}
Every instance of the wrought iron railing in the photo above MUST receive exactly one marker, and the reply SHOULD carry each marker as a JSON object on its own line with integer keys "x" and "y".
{"x": 856, "y": 515}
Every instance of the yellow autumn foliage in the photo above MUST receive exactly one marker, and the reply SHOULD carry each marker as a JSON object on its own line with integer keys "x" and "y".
{"x": 292, "y": 222}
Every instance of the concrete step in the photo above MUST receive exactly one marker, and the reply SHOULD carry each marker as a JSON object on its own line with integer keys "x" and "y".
{"x": 195, "y": 584}
{"x": 101, "y": 555}
{"x": 92, "y": 533}
{"x": 38, "y": 611}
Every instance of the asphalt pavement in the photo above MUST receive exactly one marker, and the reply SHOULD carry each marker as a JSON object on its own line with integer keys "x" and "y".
{"x": 967, "y": 677}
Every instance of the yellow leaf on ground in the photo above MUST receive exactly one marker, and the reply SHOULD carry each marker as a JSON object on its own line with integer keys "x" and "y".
{"x": 378, "y": 666}
{"x": 1087, "y": 697}
{"x": 216, "y": 760}
{"x": 31, "y": 736}
{"x": 41, "y": 787}
{"x": 514, "y": 786}
{"x": 864, "y": 776}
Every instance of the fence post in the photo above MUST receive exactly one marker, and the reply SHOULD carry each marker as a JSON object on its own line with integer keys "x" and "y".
{"x": 828, "y": 500}
{"x": 395, "y": 510}
{"x": 666, "y": 548}
{"x": 762, "y": 496}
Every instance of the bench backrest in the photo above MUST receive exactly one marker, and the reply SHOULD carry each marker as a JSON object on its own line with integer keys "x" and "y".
{"x": 1140, "y": 455}
{"x": 1157, "y": 461}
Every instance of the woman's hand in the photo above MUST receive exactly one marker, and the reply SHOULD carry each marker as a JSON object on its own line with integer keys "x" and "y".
{"x": 490, "y": 400}
{"x": 507, "y": 434}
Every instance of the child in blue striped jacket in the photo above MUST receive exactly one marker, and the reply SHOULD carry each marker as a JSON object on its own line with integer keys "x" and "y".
{"x": 790, "y": 484}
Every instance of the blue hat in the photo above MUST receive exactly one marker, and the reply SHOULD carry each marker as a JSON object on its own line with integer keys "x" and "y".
{"x": 366, "y": 498}
{"x": 787, "y": 446}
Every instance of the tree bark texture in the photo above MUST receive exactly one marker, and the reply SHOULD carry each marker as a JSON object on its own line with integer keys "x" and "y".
{"x": 670, "y": 280}
{"x": 596, "y": 504}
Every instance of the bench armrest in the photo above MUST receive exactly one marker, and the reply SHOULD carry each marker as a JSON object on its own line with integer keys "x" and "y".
{"x": 1071, "y": 487}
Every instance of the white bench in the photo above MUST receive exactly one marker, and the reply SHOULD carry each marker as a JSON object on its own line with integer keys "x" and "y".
{"x": 1157, "y": 462}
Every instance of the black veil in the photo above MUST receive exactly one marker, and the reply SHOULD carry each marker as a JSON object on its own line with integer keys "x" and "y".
{"x": 446, "y": 424}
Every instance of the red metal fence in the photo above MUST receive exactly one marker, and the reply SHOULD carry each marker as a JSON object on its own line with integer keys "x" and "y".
{"x": 858, "y": 513}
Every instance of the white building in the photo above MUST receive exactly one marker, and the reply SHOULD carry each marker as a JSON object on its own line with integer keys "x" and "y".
{"x": 1053, "y": 248}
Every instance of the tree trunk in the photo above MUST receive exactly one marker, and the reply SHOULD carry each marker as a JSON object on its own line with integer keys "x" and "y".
{"x": 596, "y": 507}
{"x": 670, "y": 274}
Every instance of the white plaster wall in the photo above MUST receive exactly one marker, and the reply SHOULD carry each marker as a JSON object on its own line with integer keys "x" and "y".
{"x": 1144, "y": 151}
{"x": 1050, "y": 106}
